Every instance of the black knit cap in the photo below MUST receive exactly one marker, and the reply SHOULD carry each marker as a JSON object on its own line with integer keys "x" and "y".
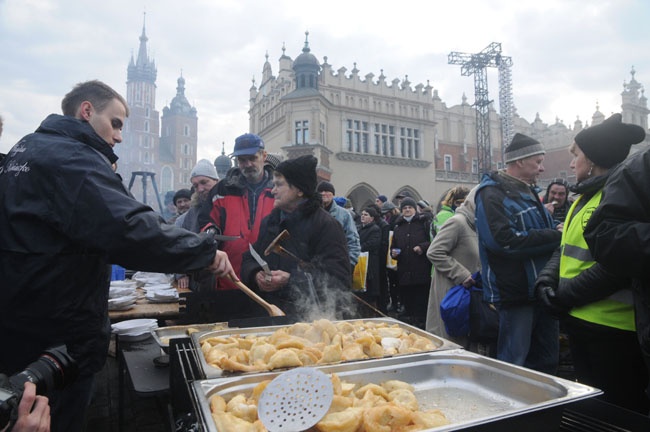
{"x": 325, "y": 186}
{"x": 408, "y": 202}
{"x": 521, "y": 147}
{"x": 609, "y": 142}
{"x": 182, "y": 193}
{"x": 300, "y": 172}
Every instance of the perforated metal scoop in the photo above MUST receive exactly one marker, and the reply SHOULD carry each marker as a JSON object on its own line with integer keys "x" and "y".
{"x": 295, "y": 400}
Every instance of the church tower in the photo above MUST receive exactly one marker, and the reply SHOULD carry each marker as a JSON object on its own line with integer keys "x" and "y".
{"x": 178, "y": 142}
{"x": 634, "y": 107}
{"x": 139, "y": 149}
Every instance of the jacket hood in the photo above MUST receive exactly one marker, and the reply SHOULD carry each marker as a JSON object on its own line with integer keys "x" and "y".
{"x": 590, "y": 185}
{"x": 78, "y": 130}
{"x": 468, "y": 208}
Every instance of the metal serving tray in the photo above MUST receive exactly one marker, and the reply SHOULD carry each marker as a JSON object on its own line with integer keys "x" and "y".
{"x": 472, "y": 391}
{"x": 163, "y": 335}
{"x": 212, "y": 372}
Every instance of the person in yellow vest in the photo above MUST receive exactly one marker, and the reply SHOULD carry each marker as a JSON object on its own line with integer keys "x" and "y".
{"x": 595, "y": 304}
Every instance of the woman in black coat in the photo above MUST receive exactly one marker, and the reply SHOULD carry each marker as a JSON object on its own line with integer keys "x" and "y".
{"x": 411, "y": 240}
{"x": 315, "y": 283}
{"x": 370, "y": 239}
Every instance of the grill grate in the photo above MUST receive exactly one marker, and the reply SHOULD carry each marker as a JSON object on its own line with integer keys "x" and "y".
{"x": 184, "y": 369}
{"x": 595, "y": 415}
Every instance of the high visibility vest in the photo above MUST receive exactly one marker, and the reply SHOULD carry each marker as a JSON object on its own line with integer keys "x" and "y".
{"x": 615, "y": 311}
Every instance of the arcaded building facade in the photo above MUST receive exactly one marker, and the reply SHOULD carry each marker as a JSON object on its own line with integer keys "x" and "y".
{"x": 376, "y": 136}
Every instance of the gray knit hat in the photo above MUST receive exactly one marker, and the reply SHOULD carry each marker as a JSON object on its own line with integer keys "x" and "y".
{"x": 204, "y": 168}
{"x": 521, "y": 147}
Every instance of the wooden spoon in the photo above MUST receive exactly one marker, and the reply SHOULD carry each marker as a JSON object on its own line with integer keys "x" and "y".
{"x": 272, "y": 309}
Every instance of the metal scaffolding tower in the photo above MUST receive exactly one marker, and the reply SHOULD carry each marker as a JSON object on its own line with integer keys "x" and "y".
{"x": 477, "y": 64}
{"x": 145, "y": 175}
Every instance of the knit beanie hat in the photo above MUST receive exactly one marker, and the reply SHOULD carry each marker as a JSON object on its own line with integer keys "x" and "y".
{"x": 340, "y": 201}
{"x": 204, "y": 168}
{"x": 382, "y": 198}
{"x": 609, "y": 142}
{"x": 325, "y": 186}
{"x": 182, "y": 193}
{"x": 300, "y": 172}
{"x": 386, "y": 207}
{"x": 521, "y": 147}
{"x": 408, "y": 202}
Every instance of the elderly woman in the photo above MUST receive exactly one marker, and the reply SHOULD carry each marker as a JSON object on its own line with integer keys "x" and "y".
{"x": 595, "y": 304}
{"x": 312, "y": 284}
{"x": 454, "y": 254}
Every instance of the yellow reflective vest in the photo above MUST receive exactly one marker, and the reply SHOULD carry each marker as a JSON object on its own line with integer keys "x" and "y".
{"x": 615, "y": 311}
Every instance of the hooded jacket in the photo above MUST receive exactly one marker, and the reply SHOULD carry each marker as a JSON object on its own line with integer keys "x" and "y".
{"x": 516, "y": 236}
{"x": 234, "y": 215}
{"x": 64, "y": 217}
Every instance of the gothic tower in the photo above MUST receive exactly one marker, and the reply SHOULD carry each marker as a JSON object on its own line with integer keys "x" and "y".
{"x": 139, "y": 149}
{"x": 178, "y": 141}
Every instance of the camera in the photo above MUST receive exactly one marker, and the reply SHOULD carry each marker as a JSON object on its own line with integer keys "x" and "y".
{"x": 53, "y": 370}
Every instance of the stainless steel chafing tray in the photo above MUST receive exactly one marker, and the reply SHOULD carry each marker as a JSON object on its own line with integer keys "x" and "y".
{"x": 162, "y": 335}
{"x": 472, "y": 391}
{"x": 212, "y": 372}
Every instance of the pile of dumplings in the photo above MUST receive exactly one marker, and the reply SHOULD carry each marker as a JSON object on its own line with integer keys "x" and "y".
{"x": 388, "y": 407}
{"x": 308, "y": 344}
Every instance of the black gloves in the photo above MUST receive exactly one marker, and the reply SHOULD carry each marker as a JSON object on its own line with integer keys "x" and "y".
{"x": 547, "y": 298}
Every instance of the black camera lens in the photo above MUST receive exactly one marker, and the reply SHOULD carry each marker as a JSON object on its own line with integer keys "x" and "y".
{"x": 52, "y": 370}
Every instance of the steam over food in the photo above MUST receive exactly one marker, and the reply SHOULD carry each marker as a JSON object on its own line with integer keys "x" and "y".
{"x": 318, "y": 343}
{"x": 387, "y": 407}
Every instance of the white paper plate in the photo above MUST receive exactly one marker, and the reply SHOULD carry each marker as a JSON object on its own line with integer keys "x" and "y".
{"x": 134, "y": 338}
{"x": 121, "y": 307}
{"x": 115, "y": 292}
{"x": 157, "y": 287}
{"x": 134, "y": 326}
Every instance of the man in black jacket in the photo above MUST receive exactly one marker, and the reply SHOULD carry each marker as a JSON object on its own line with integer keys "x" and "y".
{"x": 64, "y": 216}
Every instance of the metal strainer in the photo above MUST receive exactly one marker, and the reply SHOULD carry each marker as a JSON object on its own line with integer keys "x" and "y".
{"x": 295, "y": 400}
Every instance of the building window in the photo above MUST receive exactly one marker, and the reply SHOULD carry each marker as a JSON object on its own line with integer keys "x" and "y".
{"x": 301, "y": 132}
{"x": 499, "y": 165}
{"x": 186, "y": 130}
{"x": 448, "y": 163}
{"x": 147, "y": 112}
{"x": 186, "y": 149}
{"x": 146, "y": 125}
{"x": 146, "y": 158}
{"x": 410, "y": 143}
{"x": 357, "y": 136}
{"x": 323, "y": 141}
{"x": 384, "y": 139}
{"x": 474, "y": 166}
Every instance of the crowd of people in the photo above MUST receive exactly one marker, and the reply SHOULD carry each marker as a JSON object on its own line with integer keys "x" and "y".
{"x": 573, "y": 256}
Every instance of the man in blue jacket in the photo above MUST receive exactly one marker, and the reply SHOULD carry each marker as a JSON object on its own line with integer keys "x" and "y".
{"x": 64, "y": 216}
{"x": 517, "y": 236}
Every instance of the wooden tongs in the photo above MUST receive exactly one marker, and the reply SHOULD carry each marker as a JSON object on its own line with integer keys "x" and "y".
{"x": 272, "y": 309}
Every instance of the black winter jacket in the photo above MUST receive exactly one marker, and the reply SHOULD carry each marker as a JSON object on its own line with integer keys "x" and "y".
{"x": 64, "y": 217}
{"x": 319, "y": 241}
{"x": 618, "y": 234}
{"x": 413, "y": 269}
{"x": 370, "y": 240}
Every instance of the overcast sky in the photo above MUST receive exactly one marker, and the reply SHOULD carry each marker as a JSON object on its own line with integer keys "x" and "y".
{"x": 567, "y": 54}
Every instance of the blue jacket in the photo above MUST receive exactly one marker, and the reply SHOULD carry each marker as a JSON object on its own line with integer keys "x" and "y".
{"x": 516, "y": 235}
{"x": 351, "y": 234}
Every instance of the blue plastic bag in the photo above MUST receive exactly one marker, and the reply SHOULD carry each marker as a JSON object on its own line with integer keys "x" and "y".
{"x": 454, "y": 310}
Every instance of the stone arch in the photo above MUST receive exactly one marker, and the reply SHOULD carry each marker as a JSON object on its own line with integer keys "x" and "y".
{"x": 362, "y": 195}
{"x": 408, "y": 189}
